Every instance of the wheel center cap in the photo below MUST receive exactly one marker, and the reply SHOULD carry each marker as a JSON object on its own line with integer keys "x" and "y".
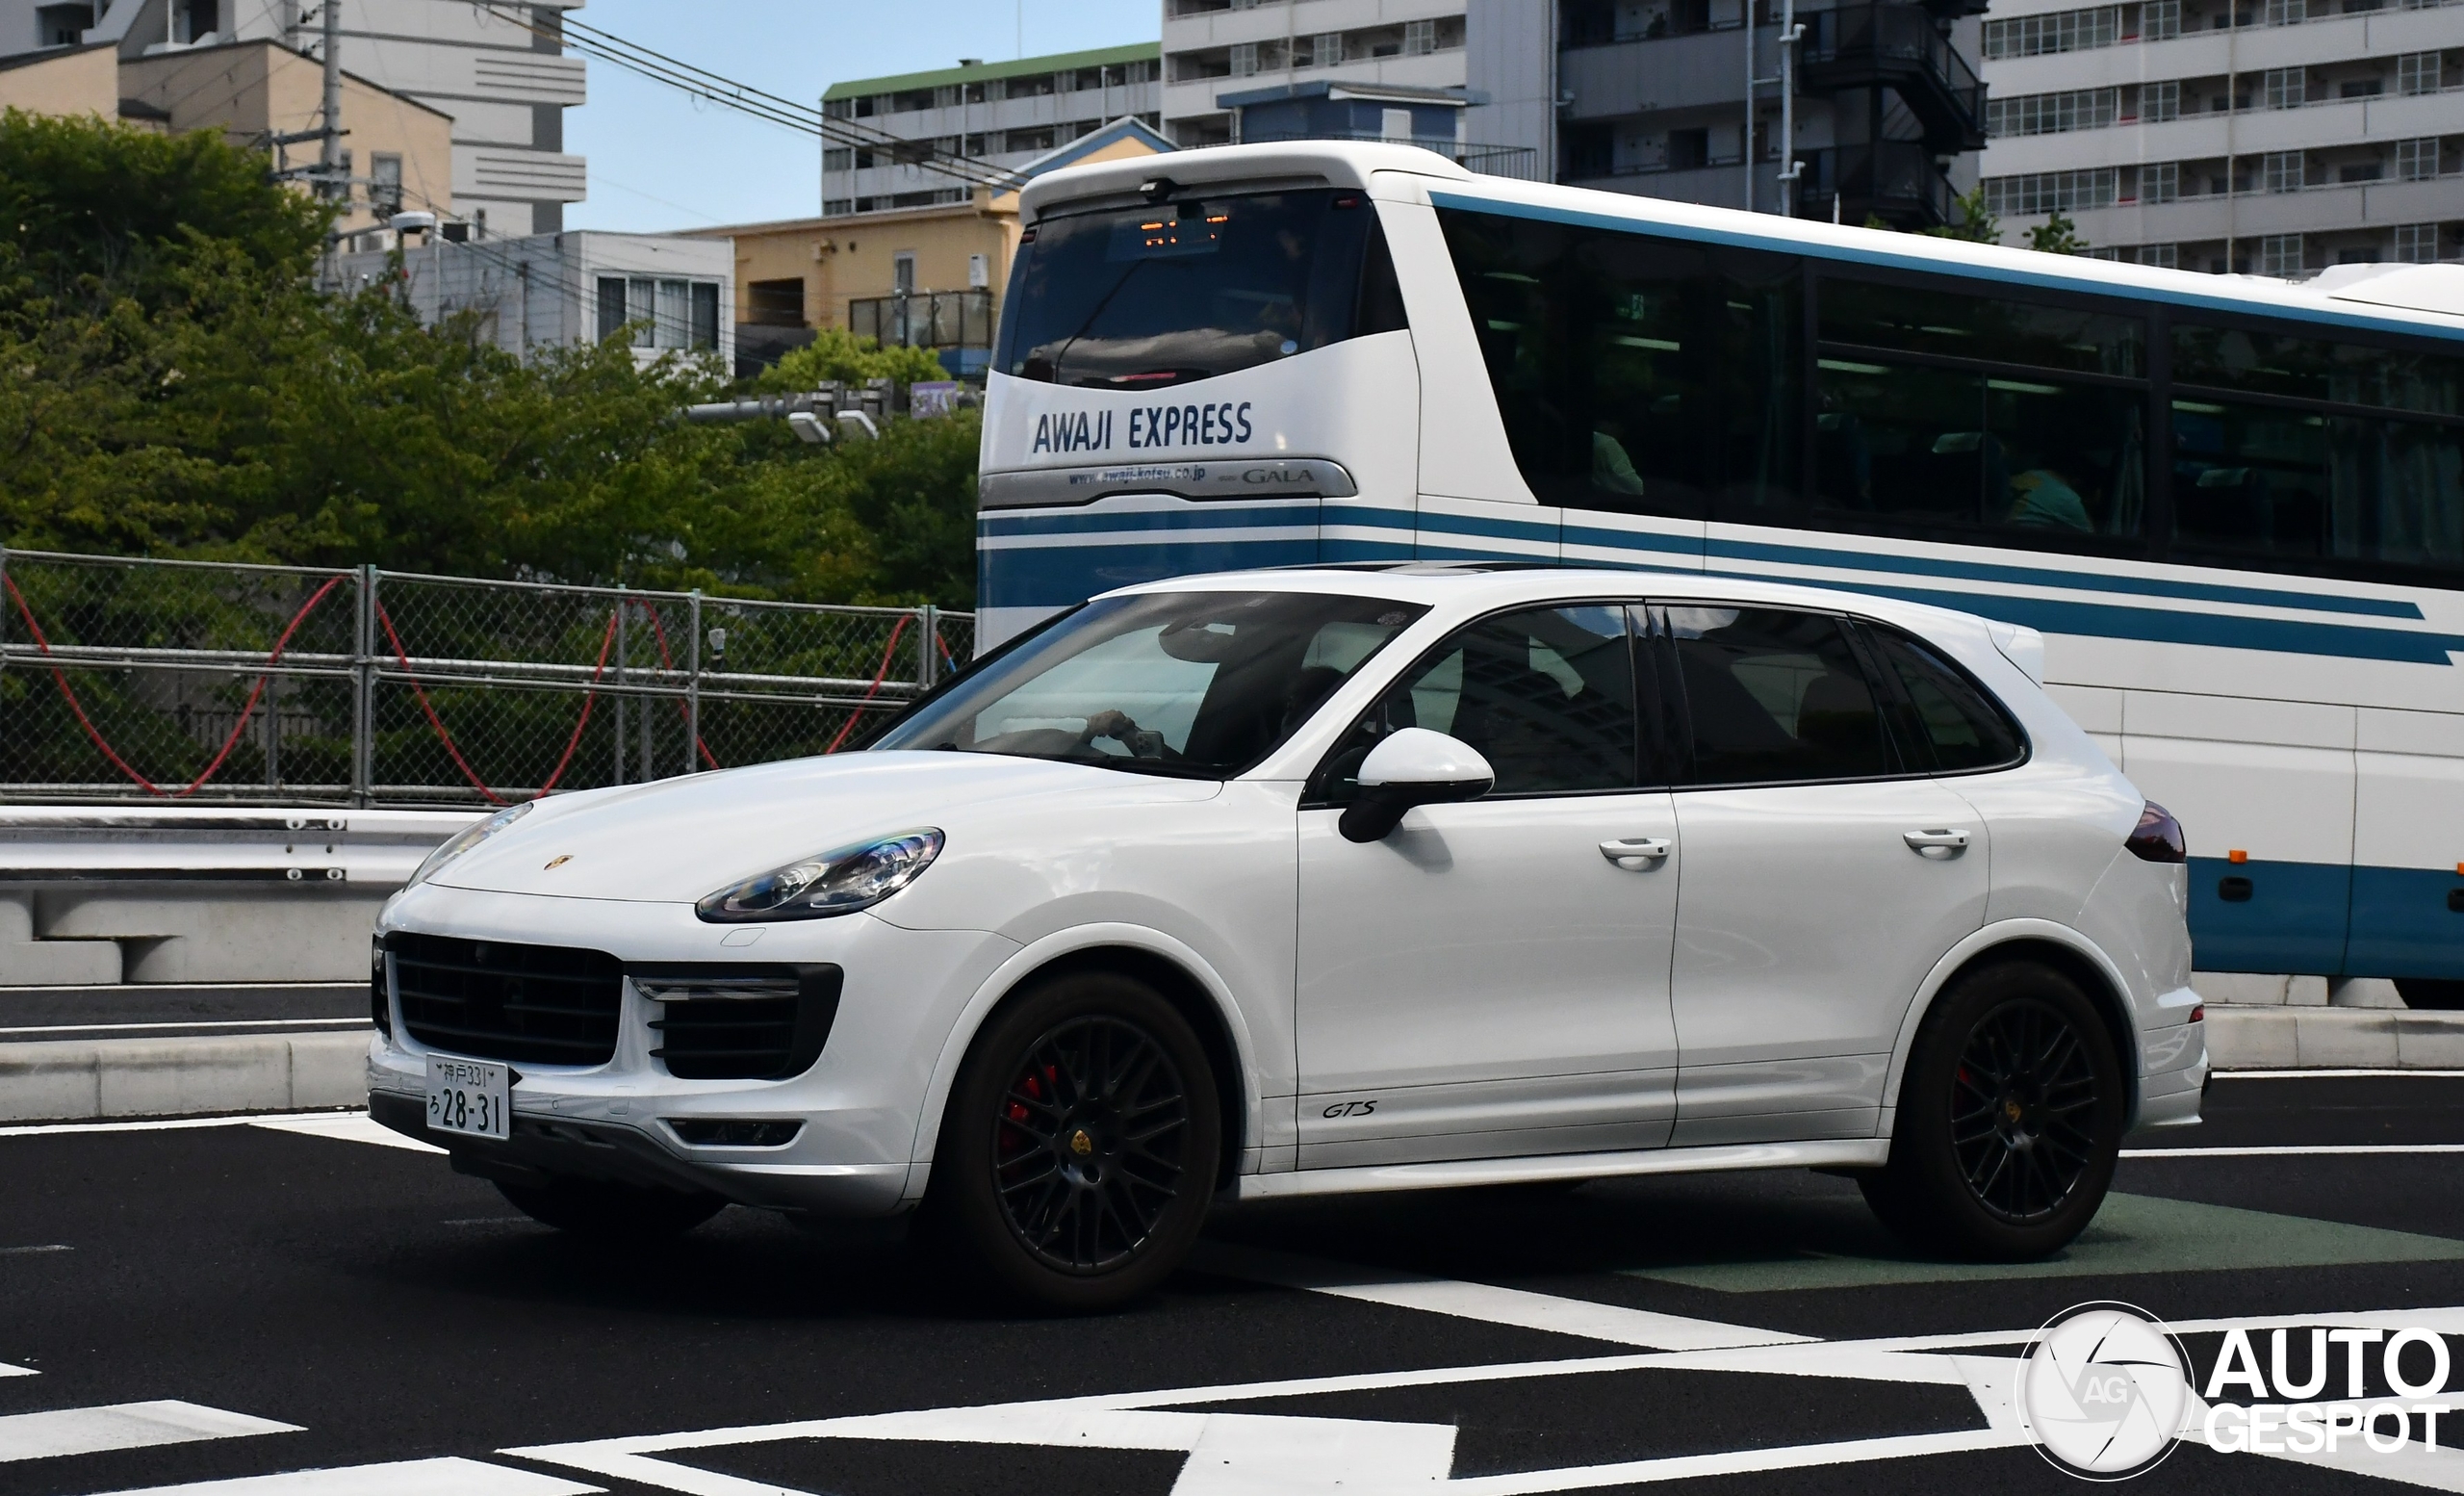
{"x": 1081, "y": 1143}
{"x": 2012, "y": 1109}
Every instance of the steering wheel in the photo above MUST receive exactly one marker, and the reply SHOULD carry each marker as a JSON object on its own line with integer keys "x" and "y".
{"x": 1116, "y": 725}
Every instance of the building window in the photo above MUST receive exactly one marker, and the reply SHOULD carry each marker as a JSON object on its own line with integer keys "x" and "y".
{"x": 776, "y": 304}
{"x": 384, "y": 184}
{"x": 901, "y": 272}
{"x": 2160, "y": 20}
{"x": 2048, "y": 192}
{"x": 2416, "y": 73}
{"x": 2284, "y": 88}
{"x": 1326, "y": 49}
{"x": 611, "y": 306}
{"x": 1244, "y": 59}
{"x": 2282, "y": 171}
{"x": 2362, "y": 89}
{"x": 2062, "y": 31}
{"x": 1419, "y": 38}
{"x": 2417, "y": 160}
{"x": 2285, "y": 12}
{"x": 63, "y": 25}
{"x": 2161, "y": 182}
{"x": 838, "y": 109}
{"x": 838, "y": 159}
{"x": 2052, "y": 113}
{"x": 2166, "y": 256}
{"x": 2416, "y": 243}
{"x": 2280, "y": 254}
{"x": 838, "y": 207}
{"x": 2159, "y": 102}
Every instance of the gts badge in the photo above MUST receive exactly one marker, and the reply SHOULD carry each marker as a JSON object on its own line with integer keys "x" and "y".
{"x": 1351, "y": 1109}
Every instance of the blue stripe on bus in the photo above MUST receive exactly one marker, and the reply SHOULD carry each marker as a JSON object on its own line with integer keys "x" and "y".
{"x": 2294, "y": 920}
{"x": 2333, "y": 317}
{"x": 1058, "y": 575}
{"x": 2402, "y": 925}
{"x": 1243, "y": 516}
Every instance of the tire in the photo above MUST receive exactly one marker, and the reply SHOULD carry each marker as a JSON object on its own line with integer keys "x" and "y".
{"x": 2010, "y": 1119}
{"x": 1078, "y": 1151}
{"x": 602, "y": 1210}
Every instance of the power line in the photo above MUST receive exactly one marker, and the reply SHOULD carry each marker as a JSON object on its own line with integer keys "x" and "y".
{"x": 700, "y": 82}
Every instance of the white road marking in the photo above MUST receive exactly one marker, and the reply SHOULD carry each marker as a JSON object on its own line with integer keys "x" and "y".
{"x": 125, "y": 987}
{"x": 402, "y": 1478}
{"x": 1485, "y": 1301}
{"x": 2295, "y": 1150}
{"x": 2349, "y": 1074}
{"x": 31, "y": 1252}
{"x": 157, "y": 1124}
{"x": 1124, "y": 1421}
{"x": 114, "y": 1029}
{"x": 346, "y": 1128}
{"x": 7, "y": 1369}
{"x": 90, "y": 1430}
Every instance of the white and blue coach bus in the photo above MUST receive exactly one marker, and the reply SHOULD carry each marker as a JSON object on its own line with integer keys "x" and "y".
{"x": 2233, "y": 508}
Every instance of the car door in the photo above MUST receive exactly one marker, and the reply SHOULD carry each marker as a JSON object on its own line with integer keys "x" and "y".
{"x": 1486, "y": 980}
{"x": 1823, "y": 878}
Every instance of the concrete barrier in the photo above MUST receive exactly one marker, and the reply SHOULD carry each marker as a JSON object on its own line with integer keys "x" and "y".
{"x": 91, "y": 895}
{"x": 173, "y": 1077}
{"x": 2314, "y": 1038}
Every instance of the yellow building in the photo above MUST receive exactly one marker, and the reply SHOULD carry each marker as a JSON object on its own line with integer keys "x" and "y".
{"x": 926, "y": 277}
{"x": 399, "y": 151}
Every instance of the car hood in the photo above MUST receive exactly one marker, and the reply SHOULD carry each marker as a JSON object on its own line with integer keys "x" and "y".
{"x": 679, "y": 839}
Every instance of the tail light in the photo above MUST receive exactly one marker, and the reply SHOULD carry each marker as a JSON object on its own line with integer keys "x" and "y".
{"x": 2158, "y": 836}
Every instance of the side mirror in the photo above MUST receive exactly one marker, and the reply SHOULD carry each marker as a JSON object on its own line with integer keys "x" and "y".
{"x": 1412, "y": 766}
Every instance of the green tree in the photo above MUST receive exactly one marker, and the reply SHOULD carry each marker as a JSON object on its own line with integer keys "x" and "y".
{"x": 835, "y": 354}
{"x": 2057, "y": 235}
{"x": 1973, "y": 220}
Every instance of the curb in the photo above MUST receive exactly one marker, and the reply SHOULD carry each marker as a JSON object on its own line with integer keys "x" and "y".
{"x": 2276, "y": 1037}
{"x": 83, "y": 1080}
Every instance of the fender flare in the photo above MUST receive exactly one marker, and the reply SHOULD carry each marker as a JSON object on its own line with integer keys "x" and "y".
{"x": 1034, "y": 957}
{"x": 2003, "y": 931}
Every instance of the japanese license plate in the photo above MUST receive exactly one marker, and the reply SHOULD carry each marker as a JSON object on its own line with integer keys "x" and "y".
{"x": 467, "y": 1097}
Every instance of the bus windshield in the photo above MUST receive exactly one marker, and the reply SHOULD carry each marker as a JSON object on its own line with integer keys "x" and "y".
{"x": 1147, "y": 297}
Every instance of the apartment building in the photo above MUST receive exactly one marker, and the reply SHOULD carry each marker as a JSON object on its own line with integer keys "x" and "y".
{"x": 1321, "y": 70}
{"x": 2270, "y": 137}
{"x": 1689, "y": 99}
{"x": 670, "y": 293}
{"x": 485, "y": 64}
{"x": 1004, "y": 115}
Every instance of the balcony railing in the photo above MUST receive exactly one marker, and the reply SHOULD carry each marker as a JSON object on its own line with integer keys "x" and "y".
{"x": 1895, "y": 181}
{"x": 1898, "y": 45}
{"x": 1519, "y": 162}
{"x": 924, "y": 319}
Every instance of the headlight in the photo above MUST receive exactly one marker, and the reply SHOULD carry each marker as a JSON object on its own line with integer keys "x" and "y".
{"x": 833, "y": 883}
{"x": 469, "y": 840}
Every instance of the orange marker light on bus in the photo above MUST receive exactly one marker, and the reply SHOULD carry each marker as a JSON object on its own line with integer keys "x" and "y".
{"x": 2237, "y": 855}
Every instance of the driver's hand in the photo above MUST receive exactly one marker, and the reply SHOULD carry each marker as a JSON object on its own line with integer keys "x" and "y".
{"x": 1110, "y": 723}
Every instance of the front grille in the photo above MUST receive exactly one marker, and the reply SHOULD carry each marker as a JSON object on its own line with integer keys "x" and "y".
{"x": 545, "y": 1004}
{"x": 739, "y": 1022}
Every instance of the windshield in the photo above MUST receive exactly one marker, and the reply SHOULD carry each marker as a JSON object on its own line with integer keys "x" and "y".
{"x": 1148, "y": 297}
{"x": 1196, "y": 684}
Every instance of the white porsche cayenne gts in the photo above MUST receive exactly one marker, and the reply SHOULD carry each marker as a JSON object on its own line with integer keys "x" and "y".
{"x": 1323, "y": 881}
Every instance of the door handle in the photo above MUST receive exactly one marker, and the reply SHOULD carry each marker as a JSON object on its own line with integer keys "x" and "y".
{"x": 1938, "y": 844}
{"x": 1636, "y": 854}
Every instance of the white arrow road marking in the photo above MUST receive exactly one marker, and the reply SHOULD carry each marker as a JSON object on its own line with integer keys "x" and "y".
{"x": 1496, "y": 1305}
{"x": 348, "y": 1127}
{"x": 7, "y": 1369}
{"x": 90, "y": 1430}
{"x": 401, "y": 1477}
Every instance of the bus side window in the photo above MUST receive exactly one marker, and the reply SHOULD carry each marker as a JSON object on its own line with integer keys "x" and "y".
{"x": 1636, "y": 374}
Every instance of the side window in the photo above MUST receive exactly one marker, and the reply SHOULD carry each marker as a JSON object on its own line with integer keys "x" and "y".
{"x": 1636, "y": 374}
{"x": 1547, "y": 696}
{"x": 1952, "y": 716}
{"x": 1774, "y": 696}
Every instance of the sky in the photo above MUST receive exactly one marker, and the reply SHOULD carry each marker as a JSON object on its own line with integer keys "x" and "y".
{"x": 660, "y": 160}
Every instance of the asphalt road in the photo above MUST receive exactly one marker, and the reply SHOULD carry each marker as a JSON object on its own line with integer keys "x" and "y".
{"x": 236, "y": 1303}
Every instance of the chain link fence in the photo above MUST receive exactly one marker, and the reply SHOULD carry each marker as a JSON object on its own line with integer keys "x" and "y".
{"x": 180, "y": 681}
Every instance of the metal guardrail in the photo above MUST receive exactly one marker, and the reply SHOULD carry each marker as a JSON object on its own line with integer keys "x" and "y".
{"x": 166, "y": 682}
{"x": 294, "y": 848}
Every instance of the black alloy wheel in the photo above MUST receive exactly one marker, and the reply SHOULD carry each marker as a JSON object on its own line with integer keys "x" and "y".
{"x": 1089, "y": 1144}
{"x": 2022, "y": 1099}
{"x": 2008, "y": 1122}
{"x": 1080, "y": 1144}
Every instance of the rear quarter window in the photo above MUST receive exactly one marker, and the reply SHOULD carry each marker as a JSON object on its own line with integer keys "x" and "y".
{"x": 1943, "y": 712}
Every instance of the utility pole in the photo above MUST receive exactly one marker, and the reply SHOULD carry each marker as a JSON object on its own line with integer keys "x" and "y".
{"x": 331, "y": 181}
